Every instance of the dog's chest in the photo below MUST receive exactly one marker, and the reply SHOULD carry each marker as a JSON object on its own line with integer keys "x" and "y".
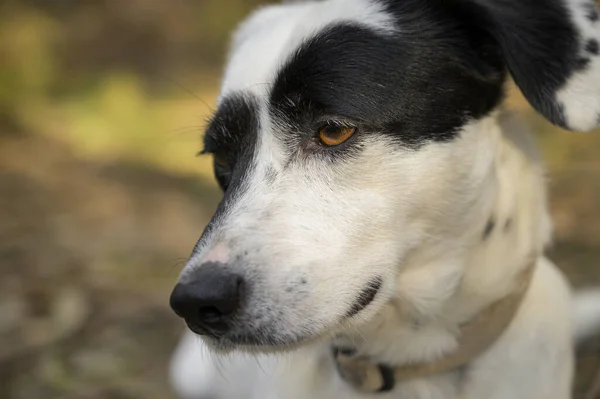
{"x": 309, "y": 373}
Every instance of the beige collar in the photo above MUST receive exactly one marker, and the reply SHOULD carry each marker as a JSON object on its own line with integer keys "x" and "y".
{"x": 476, "y": 336}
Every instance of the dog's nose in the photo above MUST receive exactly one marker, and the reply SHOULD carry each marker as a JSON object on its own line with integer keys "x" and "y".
{"x": 209, "y": 299}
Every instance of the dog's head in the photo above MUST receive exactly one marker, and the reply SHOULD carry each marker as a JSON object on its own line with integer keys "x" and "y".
{"x": 349, "y": 132}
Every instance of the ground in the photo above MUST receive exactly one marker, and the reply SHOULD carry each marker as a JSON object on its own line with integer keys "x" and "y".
{"x": 88, "y": 254}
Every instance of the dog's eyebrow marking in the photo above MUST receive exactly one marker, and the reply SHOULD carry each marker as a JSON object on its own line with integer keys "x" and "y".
{"x": 592, "y": 46}
{"x": 232, "y": 131}
{"x": 353, "y": 71}
{"x": 582, "y": 63}
{"x": 366, "y": 296}
{"x": 489, "y": 227}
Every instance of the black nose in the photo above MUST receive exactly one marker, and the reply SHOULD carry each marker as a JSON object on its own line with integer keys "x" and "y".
{"x": 209, "y": 299}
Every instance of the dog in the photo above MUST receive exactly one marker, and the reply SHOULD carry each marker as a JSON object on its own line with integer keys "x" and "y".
{"x": 384, "y": 220}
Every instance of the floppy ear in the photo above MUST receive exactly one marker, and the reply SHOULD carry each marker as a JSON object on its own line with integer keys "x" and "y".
{"x": 552, "y": 50}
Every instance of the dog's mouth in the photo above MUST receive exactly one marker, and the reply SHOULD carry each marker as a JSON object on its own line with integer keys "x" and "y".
{"x": 198, "y": 330}
{"x": 366, "y": 296}
{"x": 270, "y": 338}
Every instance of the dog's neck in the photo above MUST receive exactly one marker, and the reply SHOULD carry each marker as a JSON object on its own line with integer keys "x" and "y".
{"x": 449, "y": 278}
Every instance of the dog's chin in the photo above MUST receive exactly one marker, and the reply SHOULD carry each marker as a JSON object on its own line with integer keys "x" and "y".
{"x": 225, "y": 345}
{"x": 263, "y": 344}
{"x": 256, "y": 344}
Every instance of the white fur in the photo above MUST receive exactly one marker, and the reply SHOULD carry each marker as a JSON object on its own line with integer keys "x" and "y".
{"x": 413, "y": 218}
{"x": 580, "y": 96}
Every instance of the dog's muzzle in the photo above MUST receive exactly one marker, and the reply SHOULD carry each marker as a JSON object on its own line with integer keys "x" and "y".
{"x": 208, "y": 299}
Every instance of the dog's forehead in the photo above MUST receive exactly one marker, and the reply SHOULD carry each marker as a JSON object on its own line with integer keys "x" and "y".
{"x": 273, "y": 34}
{"x": 374, "y": 62}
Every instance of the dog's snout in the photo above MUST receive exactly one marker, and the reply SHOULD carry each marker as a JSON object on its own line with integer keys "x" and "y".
{"x": 209, "y": 299}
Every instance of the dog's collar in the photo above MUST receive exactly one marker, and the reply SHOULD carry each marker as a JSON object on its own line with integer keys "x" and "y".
{"x": 476, "y": 336}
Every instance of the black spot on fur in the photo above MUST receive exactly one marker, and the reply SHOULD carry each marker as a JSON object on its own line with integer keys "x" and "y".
{"x": 270, "y": 174}
{"x": 582, "y": 63}
{"x": 591, "y": 12}
{"x": 365, "y": 297}
{"x": 303, "y": 280}
{"x": 415, "y": 323}
{"x": 508, "y": 224}
{"x": 489, "y": 227}
{"x": 592, "y": 46}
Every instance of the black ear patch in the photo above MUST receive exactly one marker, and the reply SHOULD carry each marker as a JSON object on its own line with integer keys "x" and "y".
{"x": 550, "y": 48}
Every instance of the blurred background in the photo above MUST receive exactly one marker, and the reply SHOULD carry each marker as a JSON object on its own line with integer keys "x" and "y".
{"x": 102, "y": 108}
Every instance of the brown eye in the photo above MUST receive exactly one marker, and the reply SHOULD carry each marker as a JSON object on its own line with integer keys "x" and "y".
{"x": 332, "y": 135}
{"x": 221, "y": 160}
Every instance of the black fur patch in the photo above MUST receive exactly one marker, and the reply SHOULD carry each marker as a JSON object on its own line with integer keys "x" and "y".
{"x": 582, "y": 62}
{"x": 420, "y": 84}
{"x": 533, "y": 37}
{"x": 591, "y": 12}
{"x": 231, "y": 137}
{"x": 489, "y": 227}
{"x": 592, "y": 46}
{"x": 366, "y": 296}
{"x": 508, "y": 224}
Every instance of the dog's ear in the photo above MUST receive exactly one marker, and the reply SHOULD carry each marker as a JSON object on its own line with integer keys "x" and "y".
{"x": 552, "y": 50}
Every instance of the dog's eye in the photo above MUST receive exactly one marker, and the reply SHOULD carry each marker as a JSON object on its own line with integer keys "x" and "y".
{"x": 332, "y": 135}
{"x": 222, "y": 169}
{"x": 221, "y": 160}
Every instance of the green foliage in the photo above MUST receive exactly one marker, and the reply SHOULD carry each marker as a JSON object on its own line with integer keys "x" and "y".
{"x": 28, "y": 65}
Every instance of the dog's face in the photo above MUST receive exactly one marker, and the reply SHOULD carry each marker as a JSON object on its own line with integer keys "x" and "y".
{"x": 350, "y": 132}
